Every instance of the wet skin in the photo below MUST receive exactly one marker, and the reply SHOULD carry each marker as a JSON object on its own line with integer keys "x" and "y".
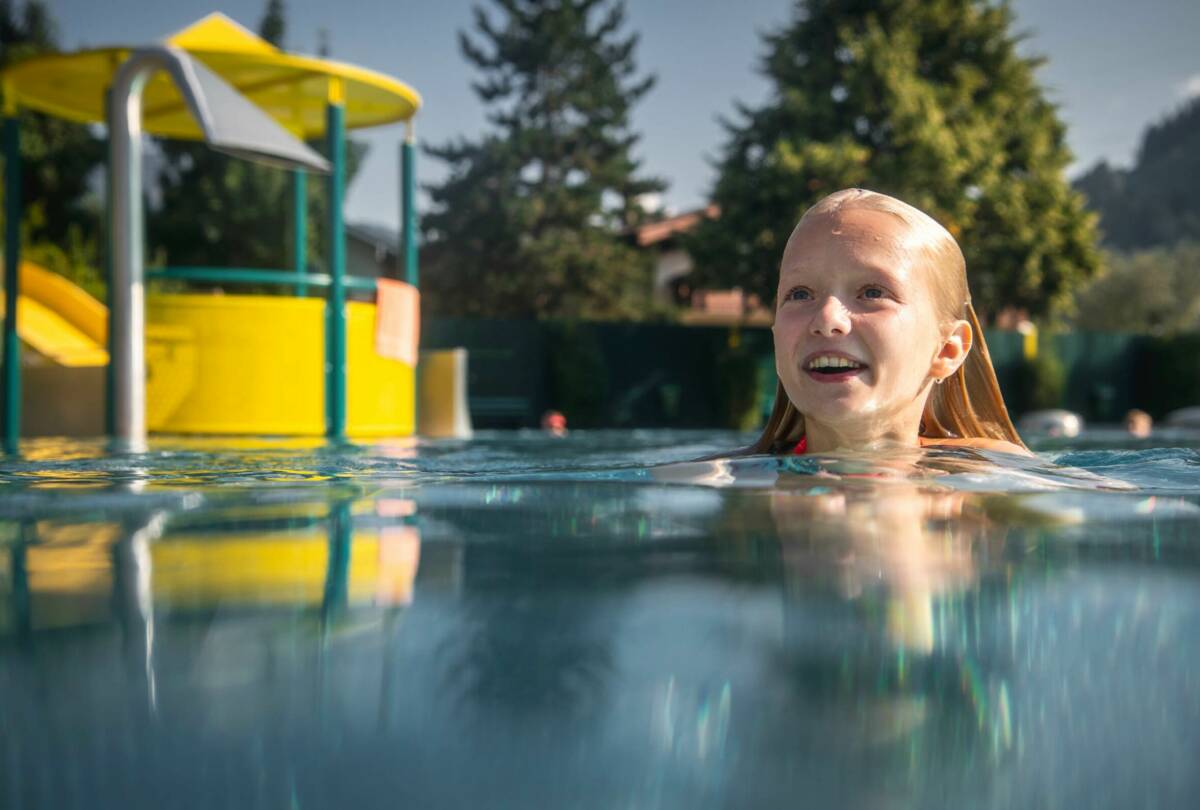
{"x": 852, "y": 287}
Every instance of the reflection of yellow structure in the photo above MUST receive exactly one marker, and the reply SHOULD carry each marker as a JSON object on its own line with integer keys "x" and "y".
{"x": 70, "y": 574}
{"x": 71, "y": 570}
{"x": 206, "y": 571}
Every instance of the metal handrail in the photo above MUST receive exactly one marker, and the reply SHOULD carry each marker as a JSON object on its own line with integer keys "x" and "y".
{"x": 243, "y": 275}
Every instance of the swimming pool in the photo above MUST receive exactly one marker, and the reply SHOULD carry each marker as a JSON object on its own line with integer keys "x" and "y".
{"x": 520, "y": 621}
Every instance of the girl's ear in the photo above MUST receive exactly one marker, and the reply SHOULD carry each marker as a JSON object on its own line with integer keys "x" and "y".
{"x": 953, "y": 352}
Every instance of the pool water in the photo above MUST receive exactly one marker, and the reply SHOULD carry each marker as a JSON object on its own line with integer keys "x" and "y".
{"x": 597, "y": 622}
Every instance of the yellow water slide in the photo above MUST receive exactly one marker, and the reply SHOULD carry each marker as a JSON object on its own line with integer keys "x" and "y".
{"x": 59, "y": 320}
{"x": 67, "y": 329}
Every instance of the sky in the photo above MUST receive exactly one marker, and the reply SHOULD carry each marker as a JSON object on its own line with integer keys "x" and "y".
{"x": 1113, "y": 68}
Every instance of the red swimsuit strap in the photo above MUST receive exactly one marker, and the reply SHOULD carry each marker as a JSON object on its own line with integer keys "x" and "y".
{"x": 801, "y": 447}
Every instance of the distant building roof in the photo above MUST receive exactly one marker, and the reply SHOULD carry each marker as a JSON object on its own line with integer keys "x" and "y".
{"x": 380, "y": 237}
{"x": 655, "y": 232}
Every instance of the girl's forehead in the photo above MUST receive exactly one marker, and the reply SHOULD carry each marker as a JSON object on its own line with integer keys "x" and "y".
{"x": 847, "y": 240}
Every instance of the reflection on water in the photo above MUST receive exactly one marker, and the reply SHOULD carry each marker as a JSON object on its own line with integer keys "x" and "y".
{"x": 524, "y": 623}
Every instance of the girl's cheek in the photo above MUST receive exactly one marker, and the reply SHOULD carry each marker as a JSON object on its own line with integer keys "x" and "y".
{"x": 785, "y": 337}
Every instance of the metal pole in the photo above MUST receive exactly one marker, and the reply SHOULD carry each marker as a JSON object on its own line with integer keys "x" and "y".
{"x": 12, "y": 263}
{"x": 127, "y": 313}
{"x": 300, "y": 229}
{"x": 408, "y": 190}
{"x": 335, "y": 322}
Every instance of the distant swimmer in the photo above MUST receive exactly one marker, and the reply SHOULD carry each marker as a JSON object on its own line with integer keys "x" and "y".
{"x": 554, "y": 423}
{"x": 1138, "y": 423}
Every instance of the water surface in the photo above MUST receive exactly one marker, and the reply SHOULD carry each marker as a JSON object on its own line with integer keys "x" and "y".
{"x": 520, "y": 621}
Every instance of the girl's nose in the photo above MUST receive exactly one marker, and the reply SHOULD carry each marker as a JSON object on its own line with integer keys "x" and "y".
{"x": 831, "y": 318}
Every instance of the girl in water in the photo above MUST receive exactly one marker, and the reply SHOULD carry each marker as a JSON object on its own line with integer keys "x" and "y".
{"x": 876, "y": 341}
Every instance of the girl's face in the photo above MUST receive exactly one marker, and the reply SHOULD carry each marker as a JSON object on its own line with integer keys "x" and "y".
{"x": 857, "y": 337}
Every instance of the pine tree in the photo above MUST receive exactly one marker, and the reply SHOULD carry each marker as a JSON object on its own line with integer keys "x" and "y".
{"x": 273, "y": 26}
{"x": 531, "y": 220}
{"x": 927, "y": 100}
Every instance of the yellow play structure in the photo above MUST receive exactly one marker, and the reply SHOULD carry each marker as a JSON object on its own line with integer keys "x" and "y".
{"x": 227, "y": 364}
{"x": 288, "y": 364}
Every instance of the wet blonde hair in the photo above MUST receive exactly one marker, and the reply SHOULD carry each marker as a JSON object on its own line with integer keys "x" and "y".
{"x": 968, "y": 403}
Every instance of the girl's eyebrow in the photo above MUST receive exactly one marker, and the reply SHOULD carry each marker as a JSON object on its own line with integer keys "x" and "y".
{"x": 890, "y": 276}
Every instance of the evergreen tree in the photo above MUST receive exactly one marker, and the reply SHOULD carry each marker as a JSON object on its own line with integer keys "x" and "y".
{"x": 223, "y": 211}
{"x": 531, "y": 220}
{"x": 274, "y": 23}
{"x": 1154, "y": 203}
{"x": 926, "y": 100}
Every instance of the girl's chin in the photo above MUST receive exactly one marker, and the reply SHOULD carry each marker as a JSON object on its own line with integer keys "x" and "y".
{"x": 838, "y": 405}
{"x": 850, "y": 396}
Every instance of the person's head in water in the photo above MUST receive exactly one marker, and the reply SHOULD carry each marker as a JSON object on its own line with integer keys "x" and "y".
{"x": 554, "y": 423}
{"x": 875, "y": 335}
{"x": 1138, "y": 423}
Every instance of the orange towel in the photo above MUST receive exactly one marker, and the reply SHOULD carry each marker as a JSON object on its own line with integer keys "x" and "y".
{"x": 397, "y": 321}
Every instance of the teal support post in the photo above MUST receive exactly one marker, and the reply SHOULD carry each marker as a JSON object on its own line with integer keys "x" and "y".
{"x": 408, "y": 195}
{"x": 110, "y": 383}
{"x": 337, "y": 572}
{"x": 19, "y": 577}
{"x": 12, "y": 263}
{"x": 300, "y": 229}
{"x": 335, "y": 320}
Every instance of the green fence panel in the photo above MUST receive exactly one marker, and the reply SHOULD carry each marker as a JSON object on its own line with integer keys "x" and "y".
{"x": 668, "y": 375}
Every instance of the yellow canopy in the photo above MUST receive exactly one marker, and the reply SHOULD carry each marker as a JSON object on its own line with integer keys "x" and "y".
{"x": 294, "y": 90}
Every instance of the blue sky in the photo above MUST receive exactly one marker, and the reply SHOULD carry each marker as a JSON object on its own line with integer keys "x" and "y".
{"x": 1113, "y": 67}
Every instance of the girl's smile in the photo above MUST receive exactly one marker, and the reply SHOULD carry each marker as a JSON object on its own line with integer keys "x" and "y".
{"x": 856, "y": 331}
{"x": 833, "y": 366}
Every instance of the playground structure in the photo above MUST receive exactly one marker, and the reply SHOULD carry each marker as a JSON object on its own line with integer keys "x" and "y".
{"x": 212, "y": 364}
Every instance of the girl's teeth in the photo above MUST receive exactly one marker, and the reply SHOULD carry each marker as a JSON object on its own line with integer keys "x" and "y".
{"x": 833, "y": 362}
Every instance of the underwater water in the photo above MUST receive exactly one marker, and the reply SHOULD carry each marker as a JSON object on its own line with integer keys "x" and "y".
{"x": 596, "y": 622}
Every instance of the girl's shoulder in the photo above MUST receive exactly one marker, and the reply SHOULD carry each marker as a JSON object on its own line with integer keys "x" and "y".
{"x": 999, "y": 445}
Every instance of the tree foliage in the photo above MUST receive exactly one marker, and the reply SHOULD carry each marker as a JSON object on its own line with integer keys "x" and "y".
{"x": 1154, "y": 292}
{"x": 927, "y": 100}
{"x": 1154, "y": 203}
{"x": 273, "y": 26}
{"x": 58, "y": 158}
{"x": 530, "y": 220}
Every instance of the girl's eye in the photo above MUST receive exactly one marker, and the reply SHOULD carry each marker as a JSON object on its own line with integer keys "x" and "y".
{"x": 798, "y": 294}
{"x": 873, "y": 292}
